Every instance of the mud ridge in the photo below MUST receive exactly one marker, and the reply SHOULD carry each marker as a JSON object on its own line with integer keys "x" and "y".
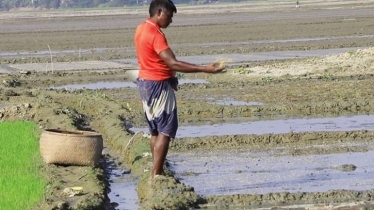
{"x": 279, "y": 199}
{"x": 239, "y": 141}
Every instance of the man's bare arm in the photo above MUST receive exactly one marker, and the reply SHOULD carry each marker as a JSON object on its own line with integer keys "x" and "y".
{"x": 169, "y": 58}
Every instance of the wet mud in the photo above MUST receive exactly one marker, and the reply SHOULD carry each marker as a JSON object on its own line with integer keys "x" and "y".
{"x": 84, "y": 87}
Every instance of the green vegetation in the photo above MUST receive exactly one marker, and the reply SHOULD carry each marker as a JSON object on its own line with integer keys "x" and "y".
{"x": 242, "y": 70}
{"x": 352, "y": 52}
{"x": 21, "y": 184}
{"x": 180, "y": 75}
{"x": 268, "y": 79}
{"x": 140, "y": 154}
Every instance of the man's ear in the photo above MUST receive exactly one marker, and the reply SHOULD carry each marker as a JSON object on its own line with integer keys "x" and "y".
{"x": 159, "y": 11}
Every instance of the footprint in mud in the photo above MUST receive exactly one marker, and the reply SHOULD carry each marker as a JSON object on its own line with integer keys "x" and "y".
{"x": 345, "y": 167}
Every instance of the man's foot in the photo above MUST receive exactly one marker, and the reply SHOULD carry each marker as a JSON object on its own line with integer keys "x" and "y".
{"x": 151, "y": 180}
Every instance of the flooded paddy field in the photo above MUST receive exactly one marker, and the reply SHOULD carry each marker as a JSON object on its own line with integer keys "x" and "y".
{"x": 273, "y": 171}
{"x": 288, "y": 126}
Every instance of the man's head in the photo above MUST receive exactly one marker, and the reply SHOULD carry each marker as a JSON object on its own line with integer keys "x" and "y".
{"x": 161, "y": 11}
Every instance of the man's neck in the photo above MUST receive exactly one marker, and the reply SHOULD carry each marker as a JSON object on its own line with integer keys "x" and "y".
{"x": 154, "y": 19}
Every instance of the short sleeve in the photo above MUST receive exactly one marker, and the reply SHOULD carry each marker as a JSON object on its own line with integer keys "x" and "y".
{"x": 160, "y": 43}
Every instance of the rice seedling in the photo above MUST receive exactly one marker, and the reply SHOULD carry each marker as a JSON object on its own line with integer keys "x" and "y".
{"x": 21, "y": 183}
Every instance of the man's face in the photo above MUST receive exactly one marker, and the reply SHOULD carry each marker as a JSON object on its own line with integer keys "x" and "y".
{"x": 165, "y": 18}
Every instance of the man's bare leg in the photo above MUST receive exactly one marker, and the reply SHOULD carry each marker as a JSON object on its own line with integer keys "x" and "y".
{"x": 160, "y": 150}
{"x": 152, "y": 144}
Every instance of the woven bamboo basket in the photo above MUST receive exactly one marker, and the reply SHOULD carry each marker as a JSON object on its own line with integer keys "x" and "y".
{"x": 64, "y": 147}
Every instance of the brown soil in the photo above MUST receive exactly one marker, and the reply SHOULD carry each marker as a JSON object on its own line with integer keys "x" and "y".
{"x": 327, "y": 86}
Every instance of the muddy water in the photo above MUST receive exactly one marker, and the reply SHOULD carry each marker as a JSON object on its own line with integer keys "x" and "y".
{"x": 122, "y": 193}
{"x": 351, "y": 123}
{"x": 4, "y": 70}
{"x": 116, "y": 84}
{"x": 252, "y": 172}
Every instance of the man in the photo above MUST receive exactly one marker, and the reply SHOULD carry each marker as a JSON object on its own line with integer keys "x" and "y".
{"x": 156, "y": 79}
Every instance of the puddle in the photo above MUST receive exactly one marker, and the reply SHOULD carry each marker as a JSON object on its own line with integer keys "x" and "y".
{"x": 4, "y": 70}
{"x": 249, "y": 172}
{"x": 122, "y": 193}
{"x": 110, "y": 85}
{"x": 352, "y": 123}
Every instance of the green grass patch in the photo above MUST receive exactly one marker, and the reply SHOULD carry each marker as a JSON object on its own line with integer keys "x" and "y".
{"x": 139, "y": 155}
{"x": 21, "y": 184}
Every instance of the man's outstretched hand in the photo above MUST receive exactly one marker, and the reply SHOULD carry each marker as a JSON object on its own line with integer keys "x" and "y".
{"x": 215, "y": 67}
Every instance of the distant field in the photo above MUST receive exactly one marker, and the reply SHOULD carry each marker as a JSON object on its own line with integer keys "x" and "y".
{"x": 253, "y": 26}
{"x": 21, "y": 183}
{"x": 252, "y": 5}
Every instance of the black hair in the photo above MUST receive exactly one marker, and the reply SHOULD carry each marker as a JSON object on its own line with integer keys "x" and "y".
{"x": 161, "y": 4}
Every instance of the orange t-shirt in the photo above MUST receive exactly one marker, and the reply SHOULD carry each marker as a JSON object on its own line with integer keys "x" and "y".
{"x": 149, "y": 43}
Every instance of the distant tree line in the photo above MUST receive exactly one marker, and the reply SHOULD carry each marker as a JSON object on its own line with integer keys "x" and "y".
{"x": 56, "y": 4}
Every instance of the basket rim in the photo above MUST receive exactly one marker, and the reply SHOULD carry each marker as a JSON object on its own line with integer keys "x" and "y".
{"x": 63, "y": 132}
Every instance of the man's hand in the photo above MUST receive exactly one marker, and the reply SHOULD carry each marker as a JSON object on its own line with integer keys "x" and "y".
{"x": 174, "y": 83}
{"x": 215, "y": 67}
